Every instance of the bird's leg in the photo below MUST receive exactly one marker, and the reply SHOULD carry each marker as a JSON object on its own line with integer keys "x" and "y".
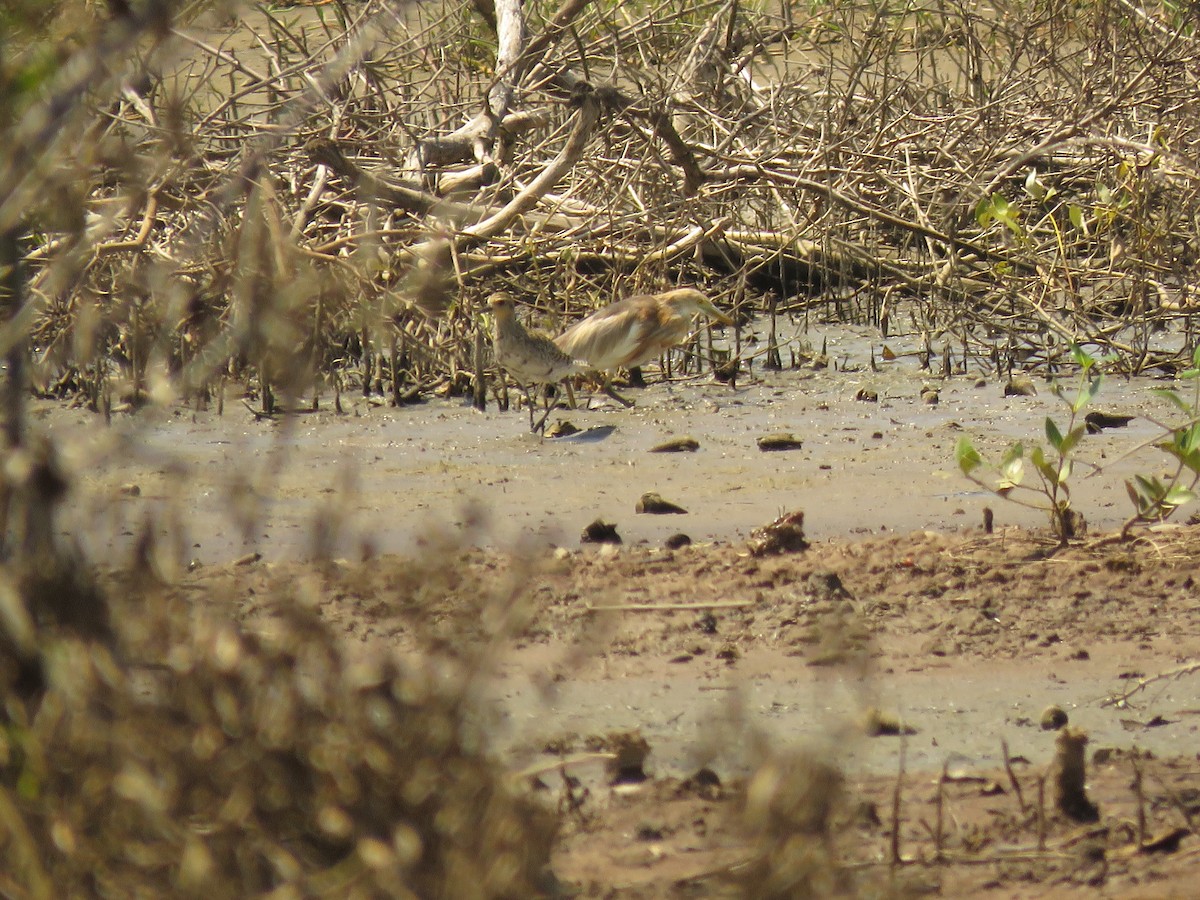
{"x": 529, "y": 403}
{"x": 608, "y": 389}
{"x": 550, "y": 401}
{"x": 541, "y": 425}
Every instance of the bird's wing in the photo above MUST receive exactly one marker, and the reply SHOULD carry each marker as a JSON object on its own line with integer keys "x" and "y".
{"x": 606, "y": 338}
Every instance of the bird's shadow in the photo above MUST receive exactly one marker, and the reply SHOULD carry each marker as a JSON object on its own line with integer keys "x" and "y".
{"x": 587, "y": 436}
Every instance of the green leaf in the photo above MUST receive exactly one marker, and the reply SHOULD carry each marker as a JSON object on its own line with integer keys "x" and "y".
{"x": 1178, "y": 495}
{"x": 1011, "y": 475}
{"x": 1047, "y": 471}
{"x": 967, "y": 456}
{"x": 1135, "y": 496}
{"x": 1087, "y": 393}
{"x": 1053, "y": 435}
{"x": 1185, "y": 447}
{"x": 1150, "y": 487}
{"x": 1188, "y": 439}
{"x": 985, "y": 212}
{"x": 1064, "y": 471}
{"x": 1073, "y": 437}
{"x": 1083, "y": 359}
{"x": 997, "y": 209}
{"x": 29, "y": 786}
{"x": 1033, "y": 187}
{"x": 1189, "y": 460}
{"x": 1011, "y": 467}
{"x": 1015, "y": 451}
{"x": 1075, "y": 214}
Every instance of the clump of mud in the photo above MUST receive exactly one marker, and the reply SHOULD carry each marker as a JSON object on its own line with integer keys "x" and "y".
{"x": 784, "y": 535}
{"x": 242, "y": 763}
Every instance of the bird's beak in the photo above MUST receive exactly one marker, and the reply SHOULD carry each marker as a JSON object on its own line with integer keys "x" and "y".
{"x": 715, "y": 313}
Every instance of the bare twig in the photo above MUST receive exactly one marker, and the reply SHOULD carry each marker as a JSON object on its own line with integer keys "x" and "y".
{"x": 1142, "y": 683}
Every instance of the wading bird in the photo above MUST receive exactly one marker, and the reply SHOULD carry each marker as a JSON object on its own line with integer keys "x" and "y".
{"x": 528, "y": 358}
{"x": 636, "y": 330}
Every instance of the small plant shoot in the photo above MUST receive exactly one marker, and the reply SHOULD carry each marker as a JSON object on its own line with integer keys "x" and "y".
{"x": 1153, "y": 498}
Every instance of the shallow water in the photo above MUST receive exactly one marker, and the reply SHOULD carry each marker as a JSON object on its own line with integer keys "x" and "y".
{"x": 381, "y": 478}
{"x": 958, "y": 721}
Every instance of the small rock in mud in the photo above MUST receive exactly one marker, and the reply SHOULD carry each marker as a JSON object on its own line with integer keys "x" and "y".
{"x": 726, "y": 373}
{"x": 600, "y": 532}
{"x": 865, "y": 814}
{"x": 866, "y": 395}
{"x": 1097, "y": 421}
{"x": 1074, "y": 525}
{"x": 784, "y": 535}
{"x": 782, "y": 441}
{"x": 675, "y": 541}
{"x": 628, "y": 765}
{"x": 654, "y": 504}
{"x": 827, "y": 587}
{"x": 130, "y": 490}
{"x": 677, "y": 445}
{"x": 1053, "y": 718}
{"x": 561, "y": 428}
{"x": 647, "y": 832}
{"x": 729, "y": 653}
{"x": 1019, "y": 387}
{"x": 1166, "y": 842}
{"x": 878, "y": 723}
{"x": 704, "y": 783}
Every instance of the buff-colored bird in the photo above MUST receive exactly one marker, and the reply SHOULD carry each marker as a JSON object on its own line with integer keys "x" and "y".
{"x": 636, "y": 330}
{"x": 528, "y": 358}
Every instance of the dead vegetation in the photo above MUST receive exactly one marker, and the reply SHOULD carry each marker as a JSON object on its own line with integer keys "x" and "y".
{"x": 289, "y": 197}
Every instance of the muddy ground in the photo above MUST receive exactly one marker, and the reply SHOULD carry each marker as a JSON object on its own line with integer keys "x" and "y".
{"x": 922, "y": 651}
{"x": 903, "y": 649}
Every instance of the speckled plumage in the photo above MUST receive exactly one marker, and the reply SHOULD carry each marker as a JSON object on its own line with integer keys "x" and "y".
{"x": 527, "y": 358}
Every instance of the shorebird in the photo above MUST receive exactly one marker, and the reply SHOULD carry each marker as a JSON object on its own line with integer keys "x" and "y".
{"x": 636, "y": 330}
{"x": 528, "y": 358}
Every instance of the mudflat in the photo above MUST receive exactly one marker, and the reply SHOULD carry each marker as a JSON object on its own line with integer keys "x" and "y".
{"x": 905, "y": 649}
